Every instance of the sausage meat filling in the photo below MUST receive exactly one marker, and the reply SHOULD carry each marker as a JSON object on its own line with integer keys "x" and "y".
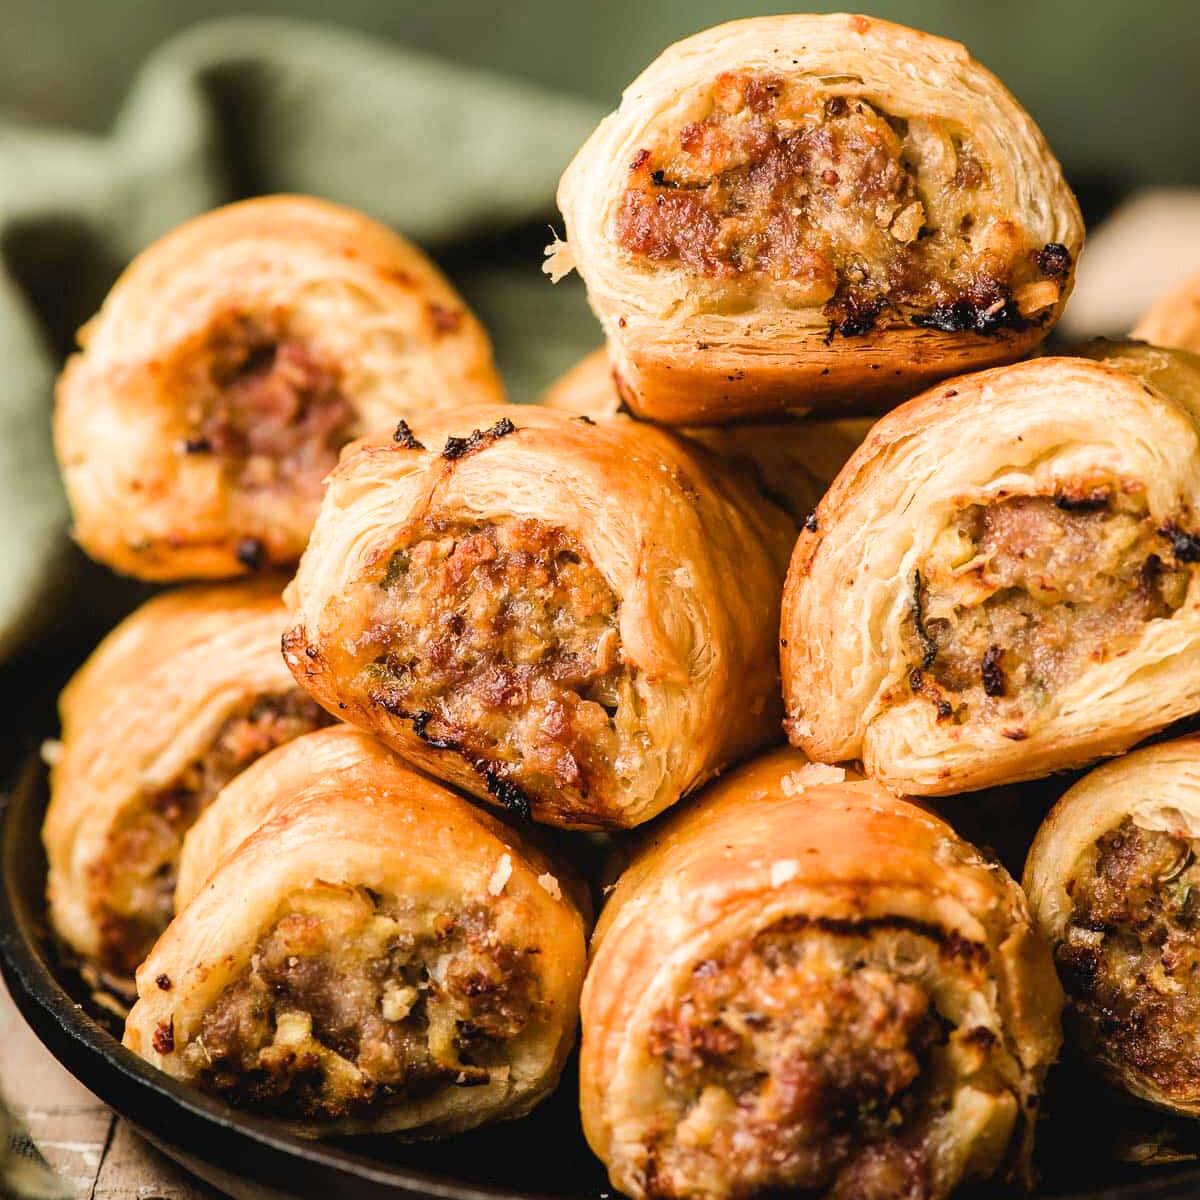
{"x": 842, "y": 206}
{"x": 268, "y": 406}
{"x": 500, "y": 642}
{"x": 1018, "y": 595}
{"x": 811, "y": 1058}
{"x": 1130, "y": 958}
{"x": 352, "y": 999}
{"x": 134, "y": 883}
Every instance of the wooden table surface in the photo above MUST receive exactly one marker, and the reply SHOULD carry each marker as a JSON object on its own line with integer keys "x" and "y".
{"x": 93, "y": 1154}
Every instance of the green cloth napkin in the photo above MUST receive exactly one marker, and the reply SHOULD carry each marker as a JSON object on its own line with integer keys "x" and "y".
{"x": 463, "y": 162}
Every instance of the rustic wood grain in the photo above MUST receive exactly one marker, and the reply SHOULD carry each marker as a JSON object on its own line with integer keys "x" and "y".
{"x": 94, "y": 1155}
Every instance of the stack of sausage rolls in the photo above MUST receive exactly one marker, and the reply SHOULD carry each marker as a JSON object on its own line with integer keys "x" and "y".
{"x": 294, "y": 815}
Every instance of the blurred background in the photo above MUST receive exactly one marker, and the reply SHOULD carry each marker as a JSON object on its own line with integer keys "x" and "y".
{"x": 1114, "y": 84}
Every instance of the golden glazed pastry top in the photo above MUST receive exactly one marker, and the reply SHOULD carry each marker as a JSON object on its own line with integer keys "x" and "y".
{"x": 935, "y": 529}
{"x": 230, "y": 360}
{"x": 717, "y": 308}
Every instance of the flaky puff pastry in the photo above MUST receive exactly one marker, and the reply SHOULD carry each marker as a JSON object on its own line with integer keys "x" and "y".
{"x": 1001, "y": 581}
{"x": 803, "y": 983}
{"x": 791, "y": 462}
{"x": 814, "y": 213}
{"x": 360, "y": 950}
{"x": 183, "y": 694}
{"x": 1174, "y": 320}
{"x": 1110, "y": 879}
{"x": 229, "y": 364}
{"x": 569, "y": 617}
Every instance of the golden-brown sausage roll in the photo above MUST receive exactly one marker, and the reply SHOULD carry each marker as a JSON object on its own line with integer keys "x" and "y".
{"x": 806, "y": 985}
{"x": 569, "y": 617}
{"x": 792, "y": 462}
{"x": 1174, "y": 320}
{"x": 1001, "y": 582}
{"x": 177, "y": 700}
{"x": 1114, "y": 885}
{"x": 814, "y": 212}
{"x": 229, "y": 365}
{"x": 377, "y": 955}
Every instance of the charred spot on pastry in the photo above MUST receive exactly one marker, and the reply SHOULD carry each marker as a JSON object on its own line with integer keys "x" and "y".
{"x": 197, "y": 443}
{"x": 420, "y": 726}
{"x": 458, "y": 447}
{"x": 1185, "y": 546}
{"x": 163, "y": 982}
{"x": 810, "y": 522}
{"x": 944, "y": 710}
{"x": 991, "y": 670}
{"x": 507, "y": 792}
{"x": 929, "y": 647}
{"x": 444, "y": 320}
{"x": 852, "y": 315}
{"x": 164, "y": 1037}
{"x": 981, "y": 316}
{"x": 251, "y": 553}
{"x": 405, "y": 437}
{"x": 1095, "y": 500}
{"x": 1054, "y": 260}
{"x": 585, "y": 419}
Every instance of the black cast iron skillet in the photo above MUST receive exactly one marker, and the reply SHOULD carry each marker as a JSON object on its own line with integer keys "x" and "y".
{"x": 542, "y": 1155}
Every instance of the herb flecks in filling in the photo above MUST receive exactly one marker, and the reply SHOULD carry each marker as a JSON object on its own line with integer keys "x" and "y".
{"x": 1130, "y": 957}
{"x": 1017, "y": 596}
{"x": 801, "y": 1059}
{"x": 353, "y": 999}
{"x": 134, "y": 883}
{"x": 268, "y": 406}
{"x": 876, "y": 219}
{"x": 500, "y": 642}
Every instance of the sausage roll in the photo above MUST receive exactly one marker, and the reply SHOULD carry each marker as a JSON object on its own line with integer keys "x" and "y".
{"x": 792, "y": 462}
{"x": 571, "y": 618}
{"x": 229, "y": 365}
{"x": 1001, "y": 582}
{"x": 176, "y": 701}
{"x": 358, "y": 949}
{"x": 806, "y": 985}
{"x": 814, "y": 212}
{"x": 1114, "y": 885}
{"x": 1175, "y": 319}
